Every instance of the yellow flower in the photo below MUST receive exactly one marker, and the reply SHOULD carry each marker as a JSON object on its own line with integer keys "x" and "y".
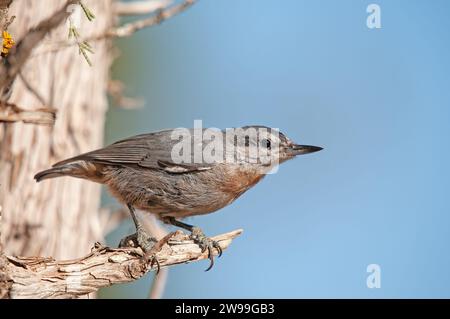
{"x": 8, "y": 43}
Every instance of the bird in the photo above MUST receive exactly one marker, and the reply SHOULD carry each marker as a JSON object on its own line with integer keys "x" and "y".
{"x": 179, "y": 173}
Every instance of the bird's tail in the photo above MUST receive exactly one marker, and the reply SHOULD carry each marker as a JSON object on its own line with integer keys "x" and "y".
{"x": 74, "y": 168}
{"x": 54, "y": 172}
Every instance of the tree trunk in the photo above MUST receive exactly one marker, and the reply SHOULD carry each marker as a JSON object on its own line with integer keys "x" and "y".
{"x": 59, "y": 217}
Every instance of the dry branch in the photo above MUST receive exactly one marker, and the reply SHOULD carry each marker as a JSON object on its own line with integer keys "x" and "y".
{"x": 38, "y": 277}
{"x": 161, "y": 15}
{"x": 10, "y": 112}
{"x": 125, "y": 30}
{"x": 139, "y": 7}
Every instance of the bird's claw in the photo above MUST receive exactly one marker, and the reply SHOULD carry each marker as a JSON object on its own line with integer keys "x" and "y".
{"x": 206, "y": 243}
{"x": 153, "y": 261}
{"x": 139, "y": 239}
{"x": 129, "y": 241}
{"x": 146, "y": 242}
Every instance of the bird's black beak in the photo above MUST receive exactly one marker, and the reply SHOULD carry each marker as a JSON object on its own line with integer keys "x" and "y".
{"x": 304, "y": 149}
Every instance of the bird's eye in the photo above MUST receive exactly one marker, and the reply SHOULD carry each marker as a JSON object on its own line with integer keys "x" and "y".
{"x": 266, "y": 143}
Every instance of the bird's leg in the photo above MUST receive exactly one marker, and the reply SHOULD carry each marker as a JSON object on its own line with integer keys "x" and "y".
{"x": 141, "y": 237}
{"x": 199, "y": 238}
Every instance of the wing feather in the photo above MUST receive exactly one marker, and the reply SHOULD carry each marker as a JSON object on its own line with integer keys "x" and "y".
{"x": 152, "y": 150}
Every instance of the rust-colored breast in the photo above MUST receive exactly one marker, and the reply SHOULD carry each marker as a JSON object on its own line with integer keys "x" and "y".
{"x": 240, "y": 180}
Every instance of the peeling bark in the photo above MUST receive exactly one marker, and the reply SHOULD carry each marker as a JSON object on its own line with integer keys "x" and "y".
{"x": 38, "y": 277}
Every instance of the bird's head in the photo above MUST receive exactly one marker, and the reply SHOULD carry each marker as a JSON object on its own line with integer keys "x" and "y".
{"x": 264, "y": 147}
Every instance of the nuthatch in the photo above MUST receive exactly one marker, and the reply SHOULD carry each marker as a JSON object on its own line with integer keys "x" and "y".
{"x": 174, "y": 178}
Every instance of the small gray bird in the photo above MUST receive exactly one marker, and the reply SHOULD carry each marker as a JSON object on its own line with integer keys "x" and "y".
{"x": 182, "y": 172}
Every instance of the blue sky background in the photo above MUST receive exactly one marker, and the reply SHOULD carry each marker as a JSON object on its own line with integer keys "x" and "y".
{"x": 378, "y": 101}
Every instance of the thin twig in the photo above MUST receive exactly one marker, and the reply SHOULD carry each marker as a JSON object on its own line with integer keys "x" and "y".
{"x": 132, "y": 27}
{"x": 84, "y": 47}
{"x": 125, "y": 30}
{"x": 135, "y": 8}
{"x": 8, "y": 22}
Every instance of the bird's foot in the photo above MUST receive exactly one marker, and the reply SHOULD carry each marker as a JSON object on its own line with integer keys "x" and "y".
{"x": 139, "y": 239}
{"x": 142, "y": 239}
{"x": 205, "y": 243}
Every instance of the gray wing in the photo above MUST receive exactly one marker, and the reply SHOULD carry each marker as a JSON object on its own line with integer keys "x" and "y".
{"x": 152, "y": 150}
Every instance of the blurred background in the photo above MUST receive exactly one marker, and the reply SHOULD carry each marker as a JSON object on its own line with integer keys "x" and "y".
{"x": 377, "y": 100}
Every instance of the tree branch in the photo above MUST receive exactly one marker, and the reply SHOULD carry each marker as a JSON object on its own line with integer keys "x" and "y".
{"x": 38, "y": 277}
{"x": 132, "y": 27}
{"x": 10, "y": 112}
{"x": 125, "y": 30}
{"x": 139, "y": 7}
